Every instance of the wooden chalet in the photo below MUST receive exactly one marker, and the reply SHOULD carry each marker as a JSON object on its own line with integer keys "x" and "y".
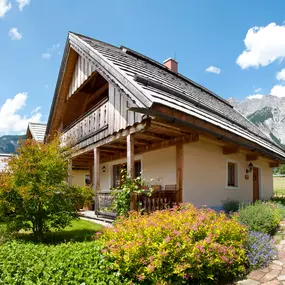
{"x": 118, "y": 107}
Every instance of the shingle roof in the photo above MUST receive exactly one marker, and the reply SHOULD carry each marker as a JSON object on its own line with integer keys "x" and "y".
{"x": 156, "y": 84}
{"x": 37, "y": 131}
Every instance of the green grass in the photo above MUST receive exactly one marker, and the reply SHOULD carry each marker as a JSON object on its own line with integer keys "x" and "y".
{"x": 79, "y": 231}
{"x": 279, "y": 185}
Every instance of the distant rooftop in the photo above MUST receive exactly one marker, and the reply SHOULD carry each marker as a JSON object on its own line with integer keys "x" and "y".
{"x": 36, "y": 131}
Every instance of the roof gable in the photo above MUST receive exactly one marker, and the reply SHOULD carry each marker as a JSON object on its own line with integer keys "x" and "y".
{"x": 37, "y": 131}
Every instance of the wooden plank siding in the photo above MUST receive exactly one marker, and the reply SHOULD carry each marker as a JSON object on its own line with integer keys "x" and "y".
{"x": 106, "y": 118}
{"x": 83, "y": 69}
{"x": 119, "y": 115}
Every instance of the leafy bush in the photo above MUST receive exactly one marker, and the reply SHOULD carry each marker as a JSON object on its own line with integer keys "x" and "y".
{"x": 79, "y": 263}
{"x": 260, "y": 250}
{"x": 122, "y": 195}
{"x": 230, "y": 206}
{"x": 279, "y": 206}
{"x": 32, "y": 192}
{"x": 260, "y": 217}
{"x": 176, "y": 245}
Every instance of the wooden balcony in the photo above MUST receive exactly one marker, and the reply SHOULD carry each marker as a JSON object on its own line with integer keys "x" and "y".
{"x": 92, "y": 126}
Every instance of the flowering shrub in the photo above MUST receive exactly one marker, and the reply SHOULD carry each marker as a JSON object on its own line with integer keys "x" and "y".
{"x": 260, "y": 217}
{"x": 260, "y": 250}
{"x": 176, "y": 245}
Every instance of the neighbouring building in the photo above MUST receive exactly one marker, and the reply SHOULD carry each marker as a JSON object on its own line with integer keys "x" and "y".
{"x": 119, "y": 108}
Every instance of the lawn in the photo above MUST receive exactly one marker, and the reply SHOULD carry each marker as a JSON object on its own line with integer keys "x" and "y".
{"x": 79, "y": 231}
{"x": 279, "y": 185}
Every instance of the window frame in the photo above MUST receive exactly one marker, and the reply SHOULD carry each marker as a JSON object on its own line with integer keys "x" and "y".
{"x": 236, "y": 175}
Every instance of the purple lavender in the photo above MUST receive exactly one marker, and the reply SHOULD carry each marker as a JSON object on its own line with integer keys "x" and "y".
{"x": 260, "y": 250}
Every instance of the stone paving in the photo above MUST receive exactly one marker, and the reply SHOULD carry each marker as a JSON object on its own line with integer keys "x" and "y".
{"x": 274, "y": 274}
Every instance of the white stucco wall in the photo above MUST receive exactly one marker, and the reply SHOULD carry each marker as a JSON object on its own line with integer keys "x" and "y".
{"x": 78, "y": 177}
{"x": 204, "y": 177}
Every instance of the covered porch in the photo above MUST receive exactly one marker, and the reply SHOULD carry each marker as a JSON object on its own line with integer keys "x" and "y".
{"x": 145, "y": 149}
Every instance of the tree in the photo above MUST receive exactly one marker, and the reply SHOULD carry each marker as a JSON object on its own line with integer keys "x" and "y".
{"x": 33, "y": 191}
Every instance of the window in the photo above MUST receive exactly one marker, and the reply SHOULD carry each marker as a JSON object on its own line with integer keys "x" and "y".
{"x": 87, "y": 179}
{"x": 117, "y": 172}
{"x": 232, "y": 174}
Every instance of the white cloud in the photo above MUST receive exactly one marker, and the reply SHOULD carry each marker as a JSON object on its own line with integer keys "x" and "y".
{"x": 254, "y": 96}
{"x": 14, "y": 34}
{"x": 278, "y": 90}
{"x": 281, "y": 74}
{"x": 50, "y": 51}
{"x": 263, "y": 46}
{"x": 46, "y": 55}
{"x": 213, "y": 69}
{"x": 11, "y": 121}
{"x": 257, "y": 90}
{"x": 36, "y": 110}
{"x": 23, "y": 3}
{"x": 5, "y": 6}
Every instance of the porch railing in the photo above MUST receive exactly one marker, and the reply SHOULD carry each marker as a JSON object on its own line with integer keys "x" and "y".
{"x": 91, "y": 123}
{"x": 105, "y": 200}
{"x": 159, "y": 200}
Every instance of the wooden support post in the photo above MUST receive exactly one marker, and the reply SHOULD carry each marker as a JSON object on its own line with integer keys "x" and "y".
{"x": 69, "y": 177}
{"x": 96, "y": 177}
{"x": 179, "y": 171}
{"x": 130, "y": 156}
{"x": 131, "y": 167}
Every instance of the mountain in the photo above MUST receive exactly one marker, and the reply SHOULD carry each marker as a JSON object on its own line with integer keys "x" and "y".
{"x": 265, "y": 111}
{"x": 9, "y": 143}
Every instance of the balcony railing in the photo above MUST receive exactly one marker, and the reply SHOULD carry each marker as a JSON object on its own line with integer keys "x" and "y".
{"x": 92, "y": 123}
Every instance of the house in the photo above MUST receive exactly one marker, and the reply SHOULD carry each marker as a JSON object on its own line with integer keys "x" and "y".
{"x": 36, "y": 131}
{"x": 118, "y": 107}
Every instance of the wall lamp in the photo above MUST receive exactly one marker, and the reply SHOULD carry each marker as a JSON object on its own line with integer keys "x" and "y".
{"x": 104, "y": 168}
{"x": 250, "y": 168}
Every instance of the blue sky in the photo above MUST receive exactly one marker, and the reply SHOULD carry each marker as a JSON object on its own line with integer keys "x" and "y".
{"x": 201, "y": 34}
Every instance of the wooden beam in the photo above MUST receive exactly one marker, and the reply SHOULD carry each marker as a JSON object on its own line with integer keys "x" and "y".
{"x": 168, "y": 143}
{"x": 157, "y": 136}
{"x": 230, "y": 150}
{"x": 274, "y": 164}
{"x": 155, "y": 146}
{"x": 251, "y": 157}
{"x": 96, "y": 177}
{"x": 122, "y": 134}
{"x": 130, "y": 156}
{"x": 179, "y": 170}
{"x": 100, "y": 91}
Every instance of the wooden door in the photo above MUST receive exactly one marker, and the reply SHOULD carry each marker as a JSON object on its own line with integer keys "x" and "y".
{"x": 255, "y": 178}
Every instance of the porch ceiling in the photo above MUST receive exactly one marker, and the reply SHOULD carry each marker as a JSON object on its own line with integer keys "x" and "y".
{"x": 156, "y": 136}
